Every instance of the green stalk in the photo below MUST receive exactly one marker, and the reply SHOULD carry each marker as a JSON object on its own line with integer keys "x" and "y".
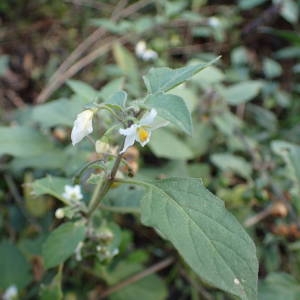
{"x": 104, "y": 185}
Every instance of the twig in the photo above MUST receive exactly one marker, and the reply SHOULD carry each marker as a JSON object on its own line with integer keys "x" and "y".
{"x": 153, "y": 269}
{"x": 63, "y": 77}
{"x": 58, "y": 78}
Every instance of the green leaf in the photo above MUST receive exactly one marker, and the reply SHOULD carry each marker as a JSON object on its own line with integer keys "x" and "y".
{"x": 290, "y": 153}
{"x": 58, "y": 112}
{"x": 117, "y": 100}
{"x": 62, "y": 243}
{"x": 173, "y": 109}
{"x": 23, "y": 142}
{"x": 271, "y": 68}
{"x": 14, "y": 269}
{"x": 229, "y": 162}
{"x": 209, "y": 238}
{"x": 160, "y": 80}
{"x": 127, "y": 63}
{"x": 164, "y": 143}
{"x": 290, "y": 11}
{"x": 82, "y": 89}
{"x": 241, "y": 92}
{"x": 109, "y": 89}
{"x": 53, "y": 290}
{"x": 278, "y": 286}
{"x": 210, "y": 75}
{"x": 50, "y": 185}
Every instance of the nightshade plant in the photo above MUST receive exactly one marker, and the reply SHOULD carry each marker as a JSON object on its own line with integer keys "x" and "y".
{"x": 181, "y": 210}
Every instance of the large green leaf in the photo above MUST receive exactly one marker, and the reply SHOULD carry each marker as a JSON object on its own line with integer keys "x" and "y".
{"x": 209, "y": 238}
{"x": 166, "y": 144}
{"x": 173, "y": 109}
{"x": 58, "y": 112}
{"x": 50, "y": 185}
{"x": 23, "y": 142}
{"x": 62, "y": 243}
{"x": 160, "y": 80}
{"x": 14, "y": 269}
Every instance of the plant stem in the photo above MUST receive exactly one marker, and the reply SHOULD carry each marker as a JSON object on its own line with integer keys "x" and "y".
{"x": 104, "y": 185}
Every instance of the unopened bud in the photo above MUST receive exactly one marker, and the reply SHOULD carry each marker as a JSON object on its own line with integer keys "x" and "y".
{"x": 59, "y": 213}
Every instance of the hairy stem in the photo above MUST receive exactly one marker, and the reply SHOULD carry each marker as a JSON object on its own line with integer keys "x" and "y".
{"x": 104, "y": 185}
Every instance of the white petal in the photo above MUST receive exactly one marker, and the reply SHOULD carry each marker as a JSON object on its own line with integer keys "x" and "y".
{"x": 149, "y": 55}
{"x": 129, "y": 141}
{"x": 83, "y": 126}
{"x": 128, "y": 131}
{"x": 148, "y": 118}
{"x": 140, "y": 48}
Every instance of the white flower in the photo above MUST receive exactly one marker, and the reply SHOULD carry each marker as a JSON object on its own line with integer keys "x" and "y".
{"x": 213, "y": 22}
{"x": 83, "y": 126}
{"x": 10, "y": 293}
{"x": 144, "y": 53}
{"x": 72, "y": 193}
{"x": 141, "y": 131}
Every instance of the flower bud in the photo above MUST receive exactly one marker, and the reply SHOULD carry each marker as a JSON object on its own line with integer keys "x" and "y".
{"x": 59, "y": 213}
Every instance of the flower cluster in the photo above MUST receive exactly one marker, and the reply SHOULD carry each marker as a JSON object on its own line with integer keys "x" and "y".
{"x": 139, "y": 131}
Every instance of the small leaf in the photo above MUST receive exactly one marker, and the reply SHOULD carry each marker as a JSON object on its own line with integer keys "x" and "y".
{"x": 62, "y": 243}
{"x": 241, "y": 92}
{"x": 160, "y": 80}
{"x": 82, "y": 89}
{"x": 209, "y": 238}
{"x": 290, "y": 153}
{"x": 14, "y": 269}
{"x": 117, "y": 100}
{"x": 290, "y": 11}
{"x": 109, "y": 89}
{"x": 50, "y": 185}
{"x": 173, "y": 109}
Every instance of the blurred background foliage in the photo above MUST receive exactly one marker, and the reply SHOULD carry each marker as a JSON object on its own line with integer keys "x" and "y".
{"x": 245, "y": 146}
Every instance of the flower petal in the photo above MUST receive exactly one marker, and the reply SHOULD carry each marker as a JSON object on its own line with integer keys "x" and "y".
{"x": 129, "y": 141}
{"x": 128, "y": 131}
{"x": 83, "y": 126}
{"x": 148, "y": 118}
